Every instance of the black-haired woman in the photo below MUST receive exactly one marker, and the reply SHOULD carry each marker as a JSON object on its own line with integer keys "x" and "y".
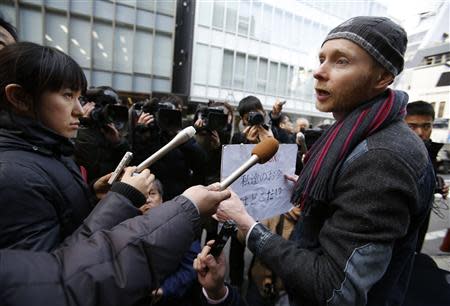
{"x": 43, "y": 197}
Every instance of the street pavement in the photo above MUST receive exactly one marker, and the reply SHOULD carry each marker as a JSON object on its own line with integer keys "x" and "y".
{"x": 439, "y": 222}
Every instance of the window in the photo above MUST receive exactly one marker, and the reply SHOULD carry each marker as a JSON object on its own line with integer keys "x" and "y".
{"x": 231, "y": 19}
{"x": 262, "y": 74}
{"x": 80, "y": 41}
{"x": 56, "y": 32}
{"x": 273, "y": 76}
{"x": 283, "y": 80}
{"x": 227, "y": 68}
{"x": 215, "y": 69}
{"x": 239, "y": 71}
{"x": 102, "y": 45}
{"x": 163, "y": 54}
{"x": 218, "y": 11}
{"x": 266, "y": 23}
{"x": 444, "y": 79}
{"x": 142, "y": 59}
{"x": 244, "y": 17}
{"x": 256, "y": 21}
{"x": 204, "y": 12}
{"x": 30, "y": 27}
{"x": 166, "y": 7}
{"x": 441, "y": 109}
{"x": 200, "y": 69}
{"x": 252, "y": 77}
{"x": 123, "y": 49}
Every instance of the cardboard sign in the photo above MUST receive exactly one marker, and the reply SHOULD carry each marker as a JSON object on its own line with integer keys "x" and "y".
{"x": 263, "y": 188}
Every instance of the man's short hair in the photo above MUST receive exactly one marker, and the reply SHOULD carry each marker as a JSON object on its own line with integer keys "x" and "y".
{"x": 248, "y": 104}
{"x": 420, "y": 108}
{"x": 8, "y": 27}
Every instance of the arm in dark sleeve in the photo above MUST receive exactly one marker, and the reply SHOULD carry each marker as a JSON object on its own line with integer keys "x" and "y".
{"x": 117, "y": 267}
{"x": 177, "y": 284}
{"x": 355, "y": 241}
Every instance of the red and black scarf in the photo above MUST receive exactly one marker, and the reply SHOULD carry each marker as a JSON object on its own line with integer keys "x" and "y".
{"x": 324, "y": 159}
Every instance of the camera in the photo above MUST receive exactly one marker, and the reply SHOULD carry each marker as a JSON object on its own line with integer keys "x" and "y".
{"x": 255, "y": 118}
{"x": 213, "y": 117}
{"x": 311, "y": 136}
{"x": 107, "y": 108}
{"x": 167, "y": 116}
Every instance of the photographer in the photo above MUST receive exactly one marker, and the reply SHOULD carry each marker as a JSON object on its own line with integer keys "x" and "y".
{"x": 159, "y": 120}
{"x": 101, "y": 143}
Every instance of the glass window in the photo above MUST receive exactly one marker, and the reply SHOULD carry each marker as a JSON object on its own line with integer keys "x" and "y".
{"x": 239, "y": 71}
{"x": 266, "y": 23}
{"x": 58, "y": 4}
{"x": 87, "y": 73}
{"x": 166, "y": 7}
{"x": 8, "y": 12}
{"x": 227, "y": 68}
{"x": 164, "y": 23}
{"x": 291, "y": 81}
{"x": 273, "y": 76}
{"x": 143, "y": 45}
{"x": 287, "y": 29}
{"x": 278, "y": 30}
{"x": 122, "y": 82}
{"x": 163, "y": 56}
{"x": 146, "y": 4}
{"x": 161, "y": 85}
{"x": 123, "y": 49}
{"x": 101, "y": 78}
{"x": 56, "y": 32}
{"x": 252, "y": 77}
{"x": 283, "y": 80}
{"x": 215, "y": 69}
{"x": 125, "y": 14}
{"x": 127, "y": 2}
{"x": 244, "y": 17}
{"x": 204, "y": 12}
{"x": 102, "y": 45}
{"x": 218, "y": 11}
{"x": 256, "y": 20}
{"x": 262, "y": 74}
{"x": 104, "y": 9}
{"x": 142, "y": 84}
{"x": 231, "y": 20}
{"x": 81, "y": 6}
{"x": 145, "y": 19}
{"x": 80, "y": 41}
{"x": 297, "y": 32}
{"x": 30, "y": 25}
{"x": 200, "y": 69}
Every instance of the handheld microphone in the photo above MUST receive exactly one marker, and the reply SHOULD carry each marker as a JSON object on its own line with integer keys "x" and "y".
{"x": 261, "y": 153}
{"x": 118, "y": 171}
{"x": 179, "y": 139}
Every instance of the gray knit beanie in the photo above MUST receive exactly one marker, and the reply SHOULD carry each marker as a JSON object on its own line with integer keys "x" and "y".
{"x": 382, "y": 38}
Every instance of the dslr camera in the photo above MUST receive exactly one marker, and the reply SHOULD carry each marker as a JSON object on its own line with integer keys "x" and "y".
{"x": 107, "y": 108}
{"x": 213, "y": 117}
{"x": 255, "y": 118}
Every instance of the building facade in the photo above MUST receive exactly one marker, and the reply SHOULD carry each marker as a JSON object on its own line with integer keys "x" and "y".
{"x": 126, "y": 44}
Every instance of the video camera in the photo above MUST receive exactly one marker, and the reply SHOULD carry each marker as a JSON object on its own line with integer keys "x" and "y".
{"x": 107, "y": 108}
{"x": 213, "y": 117}
{"x": 167, "y": 116}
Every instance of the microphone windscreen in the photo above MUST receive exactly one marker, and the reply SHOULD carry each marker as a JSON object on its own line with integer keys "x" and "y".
{"x": 266, "y": 149}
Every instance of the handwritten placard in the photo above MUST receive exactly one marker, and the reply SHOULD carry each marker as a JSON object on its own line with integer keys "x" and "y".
{"x": 263, "y": 188}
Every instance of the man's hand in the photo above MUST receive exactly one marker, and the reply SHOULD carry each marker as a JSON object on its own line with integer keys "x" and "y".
{"x": 215, "y": 140}
{"x": 206, "y": 199}
{"x": 87, "y": 109}
{"x": 101, "y": 186}
{"x": 211, "y": 272}
{"x": 233, "y": 209}
{"x": 111, "y": 133}
{"x": 145, "y": 119}
{"x": 142, "y": 181}
{"x": 277, "y": 107}
{"x": 256, "y": 133}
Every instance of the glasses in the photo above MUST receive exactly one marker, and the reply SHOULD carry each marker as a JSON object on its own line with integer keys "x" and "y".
{"x": 424, "y": 126}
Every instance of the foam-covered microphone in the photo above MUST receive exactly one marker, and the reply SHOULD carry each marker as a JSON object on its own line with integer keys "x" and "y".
{"x": 179, "y": 139}
{"x": 261, "y": 153}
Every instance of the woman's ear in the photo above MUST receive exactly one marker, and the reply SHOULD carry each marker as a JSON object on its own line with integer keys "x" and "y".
{"x": 18, "y": 99}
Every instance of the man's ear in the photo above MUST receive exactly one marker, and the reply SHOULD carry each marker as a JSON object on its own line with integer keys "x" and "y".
{"x": 18, "y": 99}
{"x": 385, "y": 78}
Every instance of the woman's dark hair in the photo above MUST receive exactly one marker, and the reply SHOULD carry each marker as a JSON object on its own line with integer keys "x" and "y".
{"x": 38, "y": 69}
{"x": 249, "y": 104}
{"x": 8, "y": 27}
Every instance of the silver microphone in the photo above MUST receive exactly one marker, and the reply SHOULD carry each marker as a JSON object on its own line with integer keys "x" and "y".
{"x": 179, "y": 139}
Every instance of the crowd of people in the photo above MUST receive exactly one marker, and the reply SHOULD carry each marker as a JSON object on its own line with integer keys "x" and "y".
{"x": 363, "y": 188}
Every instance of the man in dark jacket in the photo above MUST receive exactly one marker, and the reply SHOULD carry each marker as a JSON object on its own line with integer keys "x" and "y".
{"x": 367, "y": 184}
{"x": 108, "y": 264}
